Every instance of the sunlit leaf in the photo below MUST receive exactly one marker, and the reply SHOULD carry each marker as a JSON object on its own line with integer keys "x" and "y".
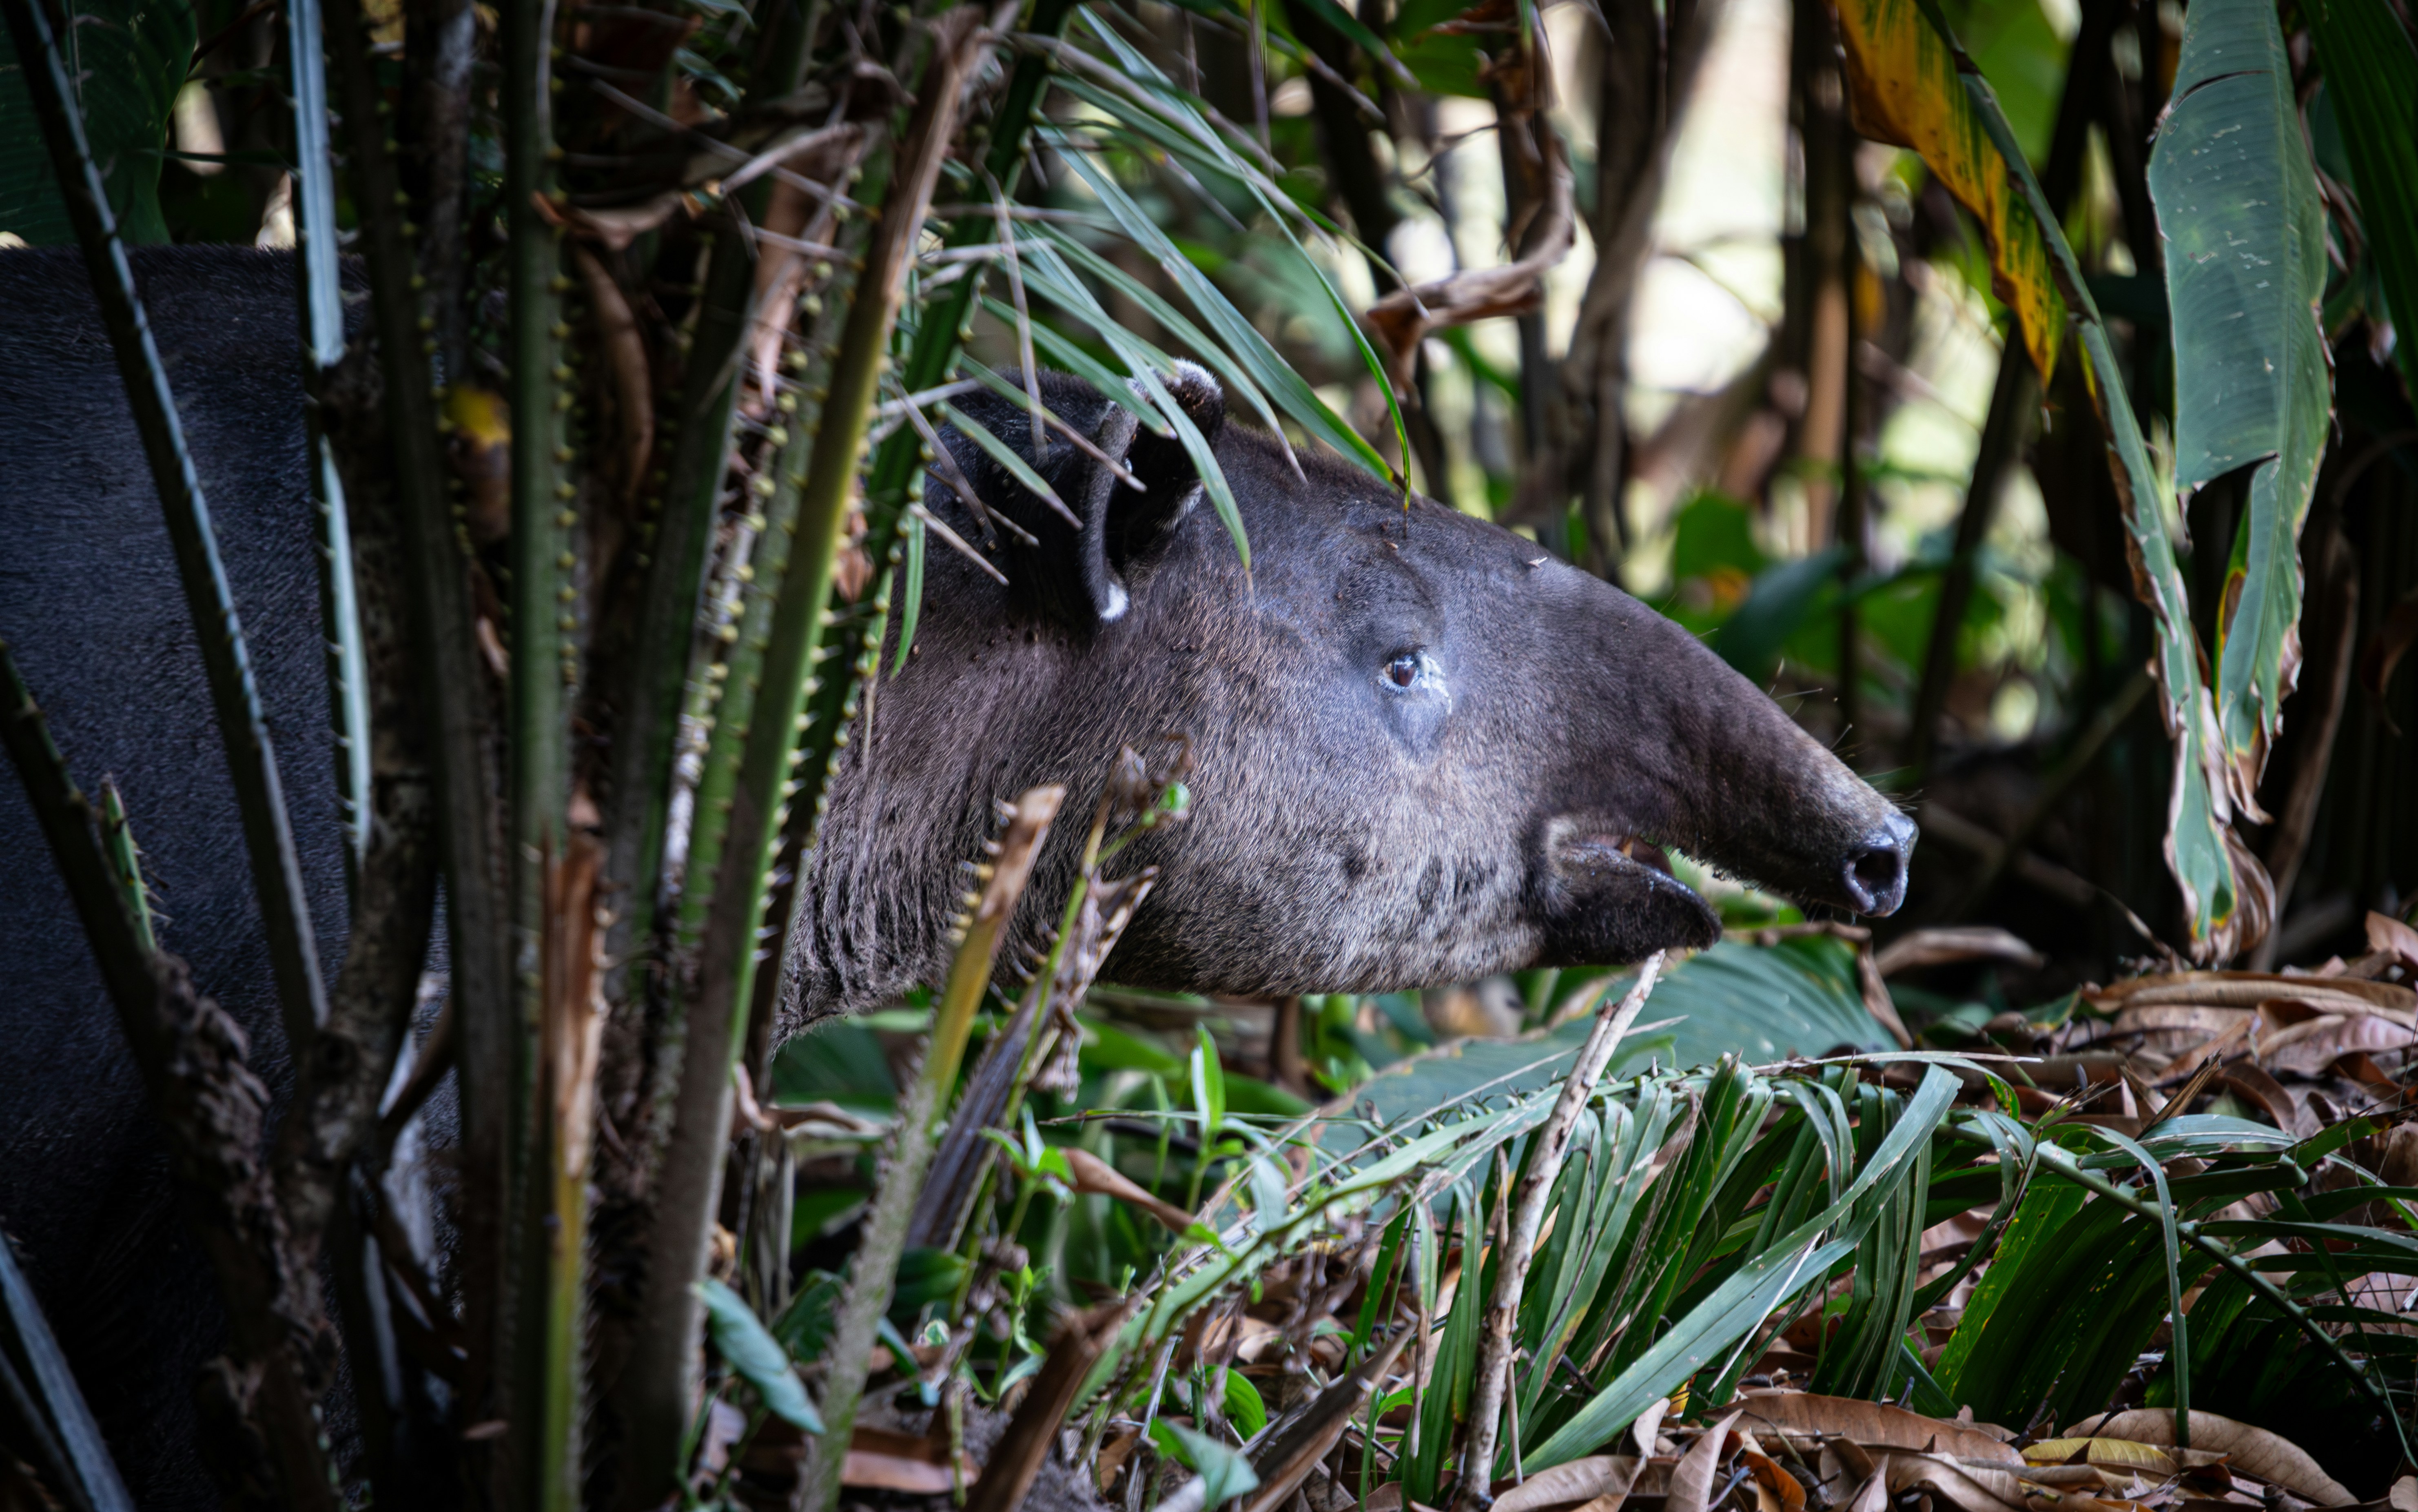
{"x": 1905, "y": 87}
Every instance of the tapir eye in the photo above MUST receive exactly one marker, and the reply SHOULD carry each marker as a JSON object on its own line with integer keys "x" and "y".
{"x": 1403, "y": 670}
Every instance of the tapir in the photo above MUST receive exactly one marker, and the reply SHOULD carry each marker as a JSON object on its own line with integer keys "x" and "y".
{"x": 1424, "y": 749}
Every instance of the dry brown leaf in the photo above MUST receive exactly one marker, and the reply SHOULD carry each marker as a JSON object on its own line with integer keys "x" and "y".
{"x": 1873, "y": 1497}
{"x": 1969, "y": 1485}
{"x": 2123, "y": 1453}
{"x": 1956, "y": 942}
{"x": 2065, "y": 1477}
{"x": 1844, "y": 1463}
{"x": 1691, "y": 1479}
{"x": 2170, "y": 1028}
{"x": 1581, "y": 1480}
{"x": 2387, "y": 935}
{"x": 1114, "y": 1451}
{"x": 882, "y": 1459}
{"x": 1648, "y": 1426}
{"x": 2255, "y": 1451}
{"x": 2404, "y": 1495}
{"x": 2253, "y": 1082}
{"x": 1772, "y": 1481}
{"x": 1872, "y": 1424}
{"x": 2312, "y": 1046}
{"x": 1093, "y": 1176}
{"x": 2244, "y": 989}
{"x": 1385, "y": 1498}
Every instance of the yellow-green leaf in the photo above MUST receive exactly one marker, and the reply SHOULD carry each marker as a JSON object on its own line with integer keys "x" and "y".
{"x": 1912, "y": 81}
{"x": 1903, "y": 88}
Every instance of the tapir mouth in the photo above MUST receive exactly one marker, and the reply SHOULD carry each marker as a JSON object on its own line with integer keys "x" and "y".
{"x": 1609, "y": 896}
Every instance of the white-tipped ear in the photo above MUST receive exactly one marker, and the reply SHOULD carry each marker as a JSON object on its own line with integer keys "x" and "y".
{"x": 1188, "y": 374}
{"x": 1195, "y": 389}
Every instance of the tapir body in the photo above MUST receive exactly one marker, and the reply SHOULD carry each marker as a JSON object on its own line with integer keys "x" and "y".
{"x": 1424, "y": 750}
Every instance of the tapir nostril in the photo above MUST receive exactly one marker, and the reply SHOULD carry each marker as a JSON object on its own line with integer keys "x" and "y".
{"x": 1874, "y": 871}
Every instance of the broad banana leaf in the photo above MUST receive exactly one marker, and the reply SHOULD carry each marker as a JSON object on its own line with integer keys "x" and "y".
{"x": 1903, "y": 89}
{"x": 128, "y": 59}
{"x": 2245, "y": 239}
{"x": 1892, "y": 66}
{"x": 2371, "y": 70}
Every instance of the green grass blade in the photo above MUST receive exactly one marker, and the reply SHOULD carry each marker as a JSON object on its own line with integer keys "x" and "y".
{"x": 1072, "y": 357}
{"x": 1243, "y": 347}
{"x": 1049, "y": 276}
{"x": 1000, "y": 453}
{"x": 1757, "y": 1286}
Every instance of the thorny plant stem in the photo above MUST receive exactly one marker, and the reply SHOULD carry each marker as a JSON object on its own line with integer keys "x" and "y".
{"x": 1042, "y": 984}
{"x": 897, "y": 471}
{"x": 320, "y": 286}
{"x": 370, "y": 1002}
{"x": 872, "y": 1273}
{"x": 542, "y": 1359}
{"x": 674, "y": 550}
{"x": 662, "y": 1365}
{"x": 455, "y": 690}
{"x": 235, "y": 697}
{"x": 1544, "y": 1165}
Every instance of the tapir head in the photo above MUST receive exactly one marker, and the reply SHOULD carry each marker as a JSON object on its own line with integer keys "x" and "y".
{"x": 1424, "y": 749}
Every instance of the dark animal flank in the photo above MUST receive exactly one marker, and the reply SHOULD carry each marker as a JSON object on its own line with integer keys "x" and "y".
{"x": 91, "y": 605}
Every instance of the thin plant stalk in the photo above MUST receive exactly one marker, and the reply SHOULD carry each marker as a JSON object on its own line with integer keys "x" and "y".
{"x": 673, "y": 536}
{"x": 1544, "y": 1167}
{"x": 234, "y": 696}
{"x": 336, "y": 1109}
{"x": 662, "y": 1364}
{"x": 569, "y": 1038}
{"x": 741, "y": 670}
{"x": 542, "y": 1379}
{"x": 321, "y": 294}
{"x": 895, "y": 481}
{"x": 872, "y": 1272}
{"x": 71, "y": 1454}
{"x": 456, "y": 692}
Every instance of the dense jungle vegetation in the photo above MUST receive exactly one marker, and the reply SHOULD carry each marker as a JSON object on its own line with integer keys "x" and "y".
{"x": 2020, "y": 389}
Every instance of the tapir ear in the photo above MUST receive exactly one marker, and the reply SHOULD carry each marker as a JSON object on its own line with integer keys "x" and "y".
{"x": 1127, "y": 490}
